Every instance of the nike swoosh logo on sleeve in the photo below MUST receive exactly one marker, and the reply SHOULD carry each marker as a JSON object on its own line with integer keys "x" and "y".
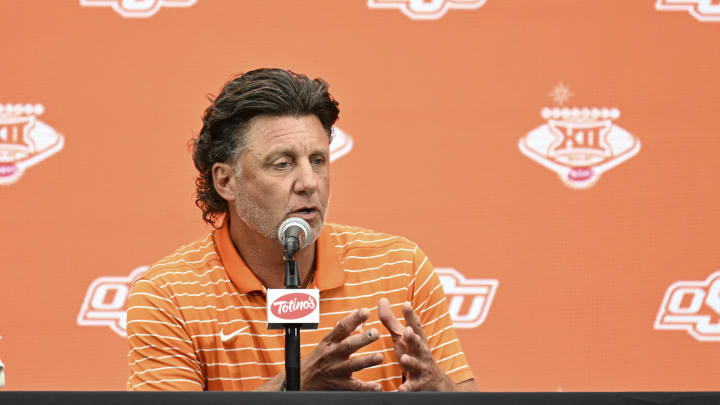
{"x": 225, "y": 337}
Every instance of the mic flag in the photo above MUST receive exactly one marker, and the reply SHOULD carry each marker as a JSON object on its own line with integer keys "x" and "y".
{"x": 299, "y": 307}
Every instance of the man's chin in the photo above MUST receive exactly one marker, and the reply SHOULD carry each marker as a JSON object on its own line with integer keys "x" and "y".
{"x": 316, "y": 226}
{"x": 316, "y": 232}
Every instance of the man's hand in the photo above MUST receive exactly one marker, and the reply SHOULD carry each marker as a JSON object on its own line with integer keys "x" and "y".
{"x": 413, "y": 352}
{"x": 329, "y": 366}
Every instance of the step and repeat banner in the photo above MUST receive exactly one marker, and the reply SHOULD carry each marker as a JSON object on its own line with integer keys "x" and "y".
{"x": 556, "y": 159}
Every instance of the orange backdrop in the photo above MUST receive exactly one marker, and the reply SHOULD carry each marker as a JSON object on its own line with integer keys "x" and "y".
{"x": 475, "y": 128}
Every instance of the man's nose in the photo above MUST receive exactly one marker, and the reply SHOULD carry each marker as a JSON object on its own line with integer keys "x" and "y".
{"x": 306, "y": 178}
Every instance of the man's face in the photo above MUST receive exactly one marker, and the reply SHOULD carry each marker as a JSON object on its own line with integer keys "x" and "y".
{"x": 284, "y": 172}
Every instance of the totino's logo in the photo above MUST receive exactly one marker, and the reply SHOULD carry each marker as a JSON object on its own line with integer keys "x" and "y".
{"x": 106, "y": 301}
{"x": 469, "y": 299}
{"x": 692, "y": 306}
{"x": 137, "y": 8}
{"x": 579, "y": 144}
{"x": 426, "y": 9}
{"x": 703, "y": 10}
{"x": 293, "y": 306}
{"x": 24, "y": 140}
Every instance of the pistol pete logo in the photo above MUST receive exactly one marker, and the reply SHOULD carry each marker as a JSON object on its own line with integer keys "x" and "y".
{"x": 105, "y": 302}
{"x": 579, "y": 144}
{"x": 341, "y": 144}
{"x": 24, "y": 140}
{"x": 293, "y": 306}
{"x": 426, "y": 9}
{"x": 692, "y": 306}
{"x": 469, "y": 299}
{"x": 702, "y": 10}
{"x": 137, "y": 8}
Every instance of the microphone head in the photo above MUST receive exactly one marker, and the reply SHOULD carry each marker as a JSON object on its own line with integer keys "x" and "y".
{"x": 297, "y": 227}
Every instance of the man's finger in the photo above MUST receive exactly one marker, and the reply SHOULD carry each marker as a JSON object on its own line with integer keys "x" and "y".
{"x": 410, "y": 386}
{"x": 351, "y": 344}
{"x": 359, "y": 385}
{"x": 412, "y": 365}
{"x": 346, "y": 326}
{"x": 359, "y": 363}
{"x": 412, "y": 320}
{"x": 416, "y": 344}
{"x": 388, "y": 319}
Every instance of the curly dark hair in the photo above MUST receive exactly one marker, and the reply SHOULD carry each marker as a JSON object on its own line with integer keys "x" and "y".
{"x": 273, "y": 92}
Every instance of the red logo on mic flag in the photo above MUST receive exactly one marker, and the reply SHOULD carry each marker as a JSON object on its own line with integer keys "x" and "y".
{"x": 293, "y": 306}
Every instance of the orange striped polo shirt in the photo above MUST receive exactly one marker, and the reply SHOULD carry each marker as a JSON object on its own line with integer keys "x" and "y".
{"x": 196, "y": 319}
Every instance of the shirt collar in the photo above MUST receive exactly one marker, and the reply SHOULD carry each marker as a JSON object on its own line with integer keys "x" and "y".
{"x": 329, "y": 273}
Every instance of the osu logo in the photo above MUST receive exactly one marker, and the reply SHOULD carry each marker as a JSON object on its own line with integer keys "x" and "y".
{"x": 703, "y": 10}
{"x": 579, "y": 144}
{"x": 106, "y": 300}
{"x": 24, "y": 140}
{"x": 426, "y": 9}
{"x": 469, "y": 299}
{"x": 341, "y": 144}
{"x": 692, "y": 306}
{"x": 137, "y": 8}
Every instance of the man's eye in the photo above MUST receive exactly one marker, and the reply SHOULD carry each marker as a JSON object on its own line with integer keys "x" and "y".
{"x": 281, "y": 165}
{"x": 319, "y": 161}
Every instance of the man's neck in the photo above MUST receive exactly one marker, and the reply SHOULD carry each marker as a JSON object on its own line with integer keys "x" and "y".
{"x": 264, "y": 257}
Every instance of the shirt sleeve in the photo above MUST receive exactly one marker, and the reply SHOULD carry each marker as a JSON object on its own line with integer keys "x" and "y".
{"x": 428, "y": 302}
{"x": 161, "y": 355}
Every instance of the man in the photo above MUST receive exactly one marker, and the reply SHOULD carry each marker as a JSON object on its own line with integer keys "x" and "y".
{"x": 196, "y": 319}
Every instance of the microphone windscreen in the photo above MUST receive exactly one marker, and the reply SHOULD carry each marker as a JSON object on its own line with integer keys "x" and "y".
{"x": 296, "y": 227}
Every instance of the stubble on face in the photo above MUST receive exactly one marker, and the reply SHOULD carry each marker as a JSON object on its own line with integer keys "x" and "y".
{"x": 262, "y": 218}
{"x": 257, "y": 219}
{"x": 263, "y": 222}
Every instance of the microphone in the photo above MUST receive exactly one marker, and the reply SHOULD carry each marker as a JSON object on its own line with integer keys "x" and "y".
{"x": 294, "y": 234}
{"x": 293, "y": 308}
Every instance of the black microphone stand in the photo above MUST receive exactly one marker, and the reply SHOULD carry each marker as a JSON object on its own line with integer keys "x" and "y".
{"x": 292, "y": 331}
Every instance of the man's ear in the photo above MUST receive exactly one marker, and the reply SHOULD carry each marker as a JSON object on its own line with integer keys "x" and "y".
{"x": 224, "y": 180}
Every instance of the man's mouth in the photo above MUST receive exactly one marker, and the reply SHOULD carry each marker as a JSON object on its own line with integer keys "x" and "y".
{"x": 305, "y": 212}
